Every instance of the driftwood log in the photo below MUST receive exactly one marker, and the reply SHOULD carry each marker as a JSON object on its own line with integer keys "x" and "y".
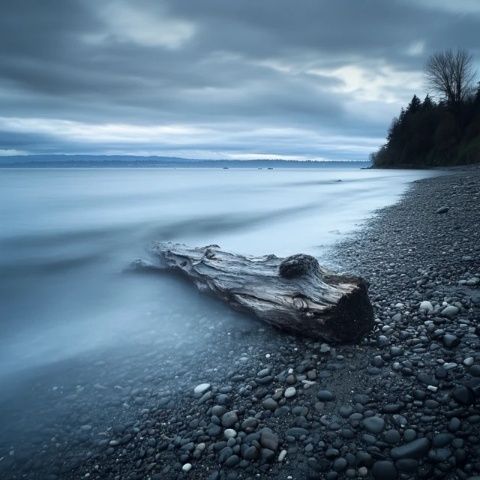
{"x": 294, "y": 294}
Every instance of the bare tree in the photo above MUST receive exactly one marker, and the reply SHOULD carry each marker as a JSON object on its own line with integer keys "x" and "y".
{"x": 451, "y": 75}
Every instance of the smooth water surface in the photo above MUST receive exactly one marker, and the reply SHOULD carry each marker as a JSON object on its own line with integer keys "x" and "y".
{"x": 67, "y": 235}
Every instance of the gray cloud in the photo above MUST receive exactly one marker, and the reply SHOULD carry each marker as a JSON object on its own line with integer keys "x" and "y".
{"x": 215, "y": 78}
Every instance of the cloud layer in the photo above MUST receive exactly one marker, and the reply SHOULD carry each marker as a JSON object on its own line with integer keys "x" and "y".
{"x": 216, "y": 79}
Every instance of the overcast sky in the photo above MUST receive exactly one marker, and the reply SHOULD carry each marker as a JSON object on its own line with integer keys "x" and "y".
{"x": 306, "y": 79}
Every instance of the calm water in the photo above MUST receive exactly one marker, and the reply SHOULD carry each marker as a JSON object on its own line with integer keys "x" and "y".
{"x": 86, "y": 346}
{"x": 67, "y": 234}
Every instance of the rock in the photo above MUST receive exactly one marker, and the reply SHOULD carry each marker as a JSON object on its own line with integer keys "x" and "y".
{"x": 290, "y": 392}
{"x": 384, "y": 470}
{"x": 442, "y": 210}
{"x": 450, "y": 341}
{"x": 263, "y": 373}
{"x": 426, "y": 307}
{"x": 218, "y": 410}
{"x": 282, "y": 455}
{"x": 297, "y": 432}
{"x": 325, "y": 396}
{"x": 468, "y": 362}
{"x": 450, "y": 311}
{"x": 229, "y": 433}
{"x": 270, "y": 404}
{"x": 249, "y": 424}
{"x": 269, "y": 440}
{"x": 324, "y": 348}
{"x": 415, "y": 449}
{"x": 463, "y": 395}
{"x": 232, "y": 461}
{"x": 201, "y": 389}
{"x": 267, "y": 455}
{"x": 187, "y": 467}
{"x": 250, "y": 453}
{"x": 392, "y": 436}
{"x": 374, "y": 424}
{"x": 340, "y": 464}
{"x": 229, "y": 419}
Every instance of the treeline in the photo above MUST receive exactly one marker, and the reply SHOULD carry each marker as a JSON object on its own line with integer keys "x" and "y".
{"x": 429, "y": 134}
{"x": 447, "y": 132}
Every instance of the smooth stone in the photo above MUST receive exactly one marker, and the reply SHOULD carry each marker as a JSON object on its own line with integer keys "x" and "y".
{"x": 384, "y": 470}
{"x": 290, "y": 392}
{"x": 249, "y": 424}
{"x": 463, "y": 395}
{"x": 187, "y": 467}
{"x": 450, "y": 341}
{"x": 250, "y": 453}
{"x": 415, "y": 449}
{"x": 282, "y": 455}
{"x": 468, "y": 362}
{"x": 201, "y": 389}
{"x": 269, "y": 440}
{"x": 267, "y": 455}
{"x": 229, "y": 433}
{"x": 442, "y": 210}
{"x": 325, "y": 396}
{"x": 449, "y": 311}
{"x": 340, "y": 464}
{"x": 229, "y": 419}
{"x": 426, "y": 307}
{"x": 232, "y": 461}
{"x": 392, "y": 436}
{"x": 374, "y": 424}
{"x": 270, "y": 404}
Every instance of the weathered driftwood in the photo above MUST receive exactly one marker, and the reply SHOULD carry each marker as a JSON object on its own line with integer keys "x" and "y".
{"x": 294, "y": 294}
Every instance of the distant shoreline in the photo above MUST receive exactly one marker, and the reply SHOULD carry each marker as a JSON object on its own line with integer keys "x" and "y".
{"x": 148, "y": 162}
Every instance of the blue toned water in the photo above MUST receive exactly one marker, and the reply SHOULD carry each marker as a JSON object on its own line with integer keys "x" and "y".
{"x": 67, "y": 234}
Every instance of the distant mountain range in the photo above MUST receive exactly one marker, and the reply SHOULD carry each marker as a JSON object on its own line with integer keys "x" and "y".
{"x": 85, "y": 161}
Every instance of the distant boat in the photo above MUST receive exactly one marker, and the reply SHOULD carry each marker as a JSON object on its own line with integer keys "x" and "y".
{"x": 226, "y": 168}
{"x": 270, "y": 168}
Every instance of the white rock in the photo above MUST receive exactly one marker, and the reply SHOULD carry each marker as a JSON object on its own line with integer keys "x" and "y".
{"x": 187, "y": 467}
{"x": 201, "y": 389}
{"x": 230, "y": 433}
{"x": 449, "y": 366}
{"x": 282, "y": 455}
{"x": 468, "y": 362}
{"x": 426, "y": 307}
{"x": 290, "y": 392}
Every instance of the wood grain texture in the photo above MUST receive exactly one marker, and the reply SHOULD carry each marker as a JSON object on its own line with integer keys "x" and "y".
{"x": 294, "y": 294}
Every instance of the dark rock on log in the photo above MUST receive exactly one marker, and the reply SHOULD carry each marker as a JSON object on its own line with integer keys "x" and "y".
{"x": 294, "y": 294}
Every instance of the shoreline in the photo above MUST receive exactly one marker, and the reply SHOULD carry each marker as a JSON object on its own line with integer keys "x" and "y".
{"x": 399, "y": 405}
{"x": 422, "y": 420}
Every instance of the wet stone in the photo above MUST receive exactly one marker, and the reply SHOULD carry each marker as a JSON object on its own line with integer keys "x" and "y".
{"x": 415, "y": 449}
{"x": 384, "y": 470}
{"x": 229, "y": 419}
{"x": 374, "y": 424}
{"x": 325, "y": 396}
